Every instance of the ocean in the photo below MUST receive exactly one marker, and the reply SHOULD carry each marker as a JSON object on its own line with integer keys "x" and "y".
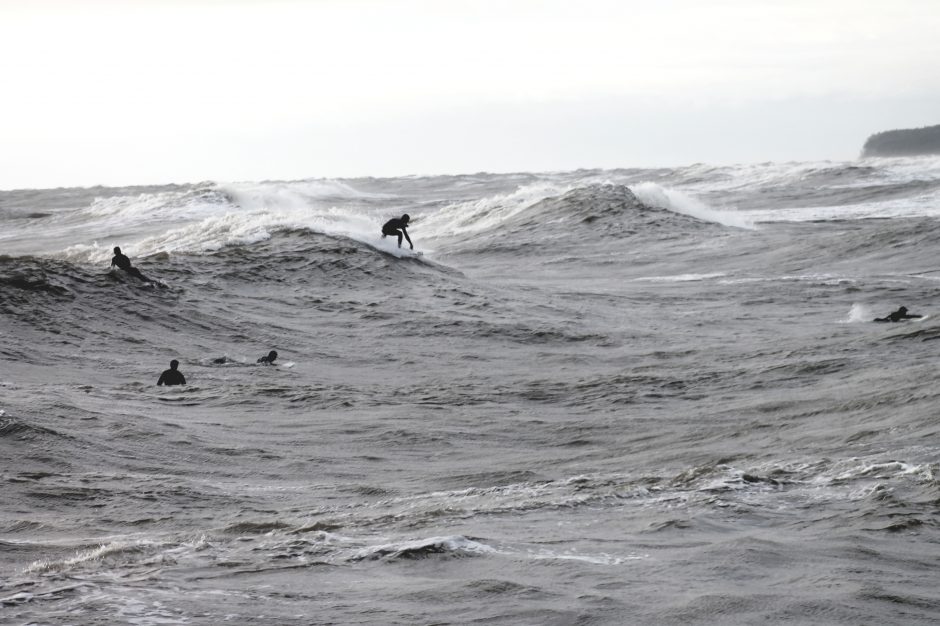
{"x": 633, "y": 396}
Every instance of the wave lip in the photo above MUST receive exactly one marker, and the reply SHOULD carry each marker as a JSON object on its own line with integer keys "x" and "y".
{"x": 485, "y": 214}
{"x": 455, "y": 546}
{"x": 655, "y": 195}
{"x": 102, "y": 551}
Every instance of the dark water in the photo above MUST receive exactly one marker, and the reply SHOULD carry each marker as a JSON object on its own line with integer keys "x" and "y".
{"x": 599, "y": 397}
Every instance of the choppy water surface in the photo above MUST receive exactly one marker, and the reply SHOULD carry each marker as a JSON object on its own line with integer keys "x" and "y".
{"x": 599, "y": 397}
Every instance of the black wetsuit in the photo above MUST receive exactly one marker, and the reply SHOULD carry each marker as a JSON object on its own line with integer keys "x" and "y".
{"x": 124, "y": 263}
{"x": 171, "y": 377}
{"x": 266, "y": 360}
{"x": 897, "y": 316}
{"x": 391, "y": 228}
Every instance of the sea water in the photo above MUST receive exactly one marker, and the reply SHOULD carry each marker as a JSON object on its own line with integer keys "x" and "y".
{"x": 599, "y": 397}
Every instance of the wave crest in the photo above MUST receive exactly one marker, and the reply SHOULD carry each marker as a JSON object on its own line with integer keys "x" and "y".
{"x": 655, "y": 195}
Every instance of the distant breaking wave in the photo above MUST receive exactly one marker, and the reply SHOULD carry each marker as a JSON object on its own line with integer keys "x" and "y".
{"x": 83, "y": 225}
{"x": 249, "y": 215}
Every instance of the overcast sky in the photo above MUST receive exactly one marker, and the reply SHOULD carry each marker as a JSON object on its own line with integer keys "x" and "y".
{"x": 152, "y": 91}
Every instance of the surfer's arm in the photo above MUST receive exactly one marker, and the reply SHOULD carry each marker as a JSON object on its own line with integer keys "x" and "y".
{"x": 182, "y": 379}
{"x": 160, "y": 381}
{"x": 405, "y": 233}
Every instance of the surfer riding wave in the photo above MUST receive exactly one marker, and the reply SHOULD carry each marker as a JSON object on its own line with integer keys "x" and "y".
{"x": 397, "y": 227}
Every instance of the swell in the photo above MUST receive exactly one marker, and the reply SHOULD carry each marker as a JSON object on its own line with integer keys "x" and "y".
{"x": 835, "y": 196}
{"x": 892, "y": 244}
{"x": 78, "y": 300}
{"x": 21, "y": 430}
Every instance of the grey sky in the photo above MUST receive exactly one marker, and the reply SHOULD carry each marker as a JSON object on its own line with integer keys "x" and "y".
{"x": 153, "y": 91}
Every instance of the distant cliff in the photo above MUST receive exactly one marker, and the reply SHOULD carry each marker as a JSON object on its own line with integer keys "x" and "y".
{"x": 904, "y": 142}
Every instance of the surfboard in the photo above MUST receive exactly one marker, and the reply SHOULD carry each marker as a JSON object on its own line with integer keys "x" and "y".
{"x": 390, "y": 246}
{"x": 882, "y": 320}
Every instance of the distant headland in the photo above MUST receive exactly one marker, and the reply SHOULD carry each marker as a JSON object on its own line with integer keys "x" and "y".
{"x": 908, "y": 142}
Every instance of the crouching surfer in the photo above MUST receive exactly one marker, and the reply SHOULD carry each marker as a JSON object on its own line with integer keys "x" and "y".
{"x": 392, "y": 227}
{"x": 897, "y": 316}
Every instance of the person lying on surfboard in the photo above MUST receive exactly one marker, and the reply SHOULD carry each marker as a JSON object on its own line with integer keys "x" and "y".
{"x": 897, "y": 316}
{"x": 392, "y": 227}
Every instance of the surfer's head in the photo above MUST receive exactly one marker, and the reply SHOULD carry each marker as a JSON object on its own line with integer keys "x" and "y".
{"x": 117, "y": 250}
{"x": 405, "y": 218}
{"x": 903, "y": 310}
{"x": 174, "y": 364}
{"x": 272, "y": 355}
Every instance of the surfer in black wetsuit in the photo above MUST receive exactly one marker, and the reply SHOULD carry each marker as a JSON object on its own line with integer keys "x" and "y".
{"x": 172, "y": 376}
{"x": 268, "y": 360}
{"x": 392, "y": 227}
{"x": 124, "y": 263}
{"x": 897, "y": 316}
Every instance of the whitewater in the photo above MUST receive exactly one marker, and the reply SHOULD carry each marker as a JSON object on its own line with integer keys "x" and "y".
{"x": 632, "y": 396}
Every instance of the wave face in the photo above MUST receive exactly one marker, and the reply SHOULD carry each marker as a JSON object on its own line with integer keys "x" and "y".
{"x": 594, "y": 394}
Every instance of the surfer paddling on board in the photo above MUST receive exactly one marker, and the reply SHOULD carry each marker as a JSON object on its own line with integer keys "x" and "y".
{"x": 172, "y": 376}
{"x": 124, "y": 263}
{"x": 392, "y": 227}
{"x": 897, "y": 316}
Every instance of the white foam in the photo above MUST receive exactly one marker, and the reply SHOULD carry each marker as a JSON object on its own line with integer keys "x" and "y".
{"x": 901, "y": 170}
{"x": 750, "y": 178}
{"x": 231, "y": 214}
{"x": 241, "y": 227}
{"x": 924, "y": 205}
{"x": 860, "y": 469}
{"x": 594, "y": 559}
{"x": 825, "y": 279}
{"x": 858, "y": 313}
{"x": 268, "y": 195}
{"x": 676, "y": 201}
{"x": 103, "y": 550}
{"x": 463, "y": 218}
{"x": 680, "y": 278}
{"x": 141, "y": 206}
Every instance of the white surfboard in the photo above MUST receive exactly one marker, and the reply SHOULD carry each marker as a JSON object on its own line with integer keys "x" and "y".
{"x": 389, "y": 245}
